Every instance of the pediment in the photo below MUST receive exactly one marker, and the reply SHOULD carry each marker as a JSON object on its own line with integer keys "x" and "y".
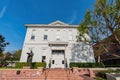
{"x": 58, "y": 23}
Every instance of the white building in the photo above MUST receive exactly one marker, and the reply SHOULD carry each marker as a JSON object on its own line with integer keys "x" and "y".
{"x": 55, "y": 44}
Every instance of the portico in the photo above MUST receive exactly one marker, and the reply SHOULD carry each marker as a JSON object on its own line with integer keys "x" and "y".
{"x": 58, "y": 56}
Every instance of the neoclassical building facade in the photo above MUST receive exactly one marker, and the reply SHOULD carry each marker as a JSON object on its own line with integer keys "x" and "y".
{"x": 55, "y": 44}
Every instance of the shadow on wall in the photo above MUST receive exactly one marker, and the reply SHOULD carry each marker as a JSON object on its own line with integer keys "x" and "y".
{"x": 82, "y": 52}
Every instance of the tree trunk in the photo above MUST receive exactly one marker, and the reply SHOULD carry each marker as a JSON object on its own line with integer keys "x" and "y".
{"x": 98, "y": 59}
{"x": 110, "y": 28}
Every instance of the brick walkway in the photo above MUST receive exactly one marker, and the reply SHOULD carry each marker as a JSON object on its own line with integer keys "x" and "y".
{"x": 45, "y": 74}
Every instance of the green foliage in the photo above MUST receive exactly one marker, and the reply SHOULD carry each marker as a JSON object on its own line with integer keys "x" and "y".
{"x": 112, "y": 63}
{"x": 17, "y": 54}
{"x": 39, "y": 64}
{"x": 34, "y": 64}
{"x": 8, "y": 56}
{"x": 99, "y": 78}
{"x": 86, "y": 65}
{"x": 3, "y": 43}
{"x": 103, "y": 73}
{"x": 21, "y": 64}
{"x": 102, "y": 21}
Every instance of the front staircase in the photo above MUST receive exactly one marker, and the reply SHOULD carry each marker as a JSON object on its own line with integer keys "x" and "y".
{"x": 56, "y": 74}
{"x": 62, "y": 74}
{"x": 45, "y": 74}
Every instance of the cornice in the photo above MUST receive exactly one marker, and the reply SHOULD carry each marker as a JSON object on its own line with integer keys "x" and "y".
{"x": 50, "y": 26}
{"x": 56, "y": 24}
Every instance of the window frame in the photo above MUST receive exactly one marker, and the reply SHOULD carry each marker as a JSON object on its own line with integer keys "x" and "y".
{"x": 45, "y": 37}
{"x": 32, "y": 37}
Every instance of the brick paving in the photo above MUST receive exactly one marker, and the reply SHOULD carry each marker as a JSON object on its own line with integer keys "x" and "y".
{"x": 46, "y": 74}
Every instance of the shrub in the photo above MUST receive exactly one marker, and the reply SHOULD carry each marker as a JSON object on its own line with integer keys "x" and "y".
{"x": 39, "y": 64}
{"x": 102, "y": 74}
{"x": 34, "y": 64}
{"x": 86, "y": 65}
{"x": 112, "y": 65}
{"x": 21, "y": 64}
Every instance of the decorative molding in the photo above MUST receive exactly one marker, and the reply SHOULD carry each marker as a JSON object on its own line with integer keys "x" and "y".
{"x": 56, "y": 24}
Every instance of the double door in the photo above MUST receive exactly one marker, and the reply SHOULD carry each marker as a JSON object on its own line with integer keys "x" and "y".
{"x": 58, "y": 59}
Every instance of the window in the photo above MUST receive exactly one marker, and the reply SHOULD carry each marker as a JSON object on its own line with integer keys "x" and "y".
{"x": 62, "y": 61}
{"x": 45, "y": 37}
{"x": 53, "y": 61}
{"x": 57, "y": 37}
{"x": 43, "y": 58}
{"x": 32, "y": 37}
{"x": 33, "y": 34}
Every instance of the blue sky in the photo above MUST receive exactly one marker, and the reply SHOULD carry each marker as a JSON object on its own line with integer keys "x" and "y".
{"x": 15, "y": 13}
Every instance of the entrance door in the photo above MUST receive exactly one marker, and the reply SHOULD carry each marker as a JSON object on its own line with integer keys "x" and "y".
{"x": 57, "y": 59}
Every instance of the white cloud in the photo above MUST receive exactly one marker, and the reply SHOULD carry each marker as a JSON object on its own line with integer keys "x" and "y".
{"x": 3, "y": 11}
{"x": 74, "y": 16}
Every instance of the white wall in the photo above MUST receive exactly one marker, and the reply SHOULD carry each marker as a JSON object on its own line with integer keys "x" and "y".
{"x": 40, "y": 47}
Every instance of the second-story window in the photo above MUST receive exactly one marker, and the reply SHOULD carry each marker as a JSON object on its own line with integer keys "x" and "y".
{"x": 32, "y": 37}
{"x": 45, "y": 37}
{"x": 70, "y": 37}
{"x": 58, "y": 35}
{"x": 33, "y": 34}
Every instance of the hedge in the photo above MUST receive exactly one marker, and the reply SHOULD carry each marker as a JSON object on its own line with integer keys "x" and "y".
{"x": 112, "y": 65}
{"x": 34, "y": 64}
{"x": 39, "y": 64}
{"x": 86, "y": 65}
{"x": 21, "y": 64}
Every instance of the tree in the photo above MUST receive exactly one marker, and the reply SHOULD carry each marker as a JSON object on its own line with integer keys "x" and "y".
{"x": 107, "y": 14}
{"x": 17, "y": 54}
{"x": 7, "y": 56}
{"x": 3, "y": 44}
{"x": 101, "y": 22}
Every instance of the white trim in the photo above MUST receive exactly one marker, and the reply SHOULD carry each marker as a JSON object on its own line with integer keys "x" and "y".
{"x": 53, "y": 24}
{"x": 58, "y": 22}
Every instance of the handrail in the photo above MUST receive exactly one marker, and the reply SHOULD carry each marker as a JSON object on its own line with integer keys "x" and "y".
{"x": 46, "y": 74}
{"x": 66, "y": 63}
{"x": 49, "y": 63}
{"x": 68, "y": 75}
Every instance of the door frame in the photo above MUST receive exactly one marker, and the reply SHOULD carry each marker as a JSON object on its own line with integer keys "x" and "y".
{"x": 59, "y": 52}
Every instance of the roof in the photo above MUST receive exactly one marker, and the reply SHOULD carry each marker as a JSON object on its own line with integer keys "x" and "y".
{"x": 57, "y": 23}
{"x": 113, "y": 49}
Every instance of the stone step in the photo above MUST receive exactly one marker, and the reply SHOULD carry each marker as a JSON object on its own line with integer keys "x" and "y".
{"x": 48, "y": 74}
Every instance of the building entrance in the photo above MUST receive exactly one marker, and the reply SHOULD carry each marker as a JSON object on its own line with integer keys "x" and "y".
{"x": 58, "y": 59}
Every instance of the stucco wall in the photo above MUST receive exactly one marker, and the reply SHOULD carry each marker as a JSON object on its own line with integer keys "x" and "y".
{"x": 41, "y": 47}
